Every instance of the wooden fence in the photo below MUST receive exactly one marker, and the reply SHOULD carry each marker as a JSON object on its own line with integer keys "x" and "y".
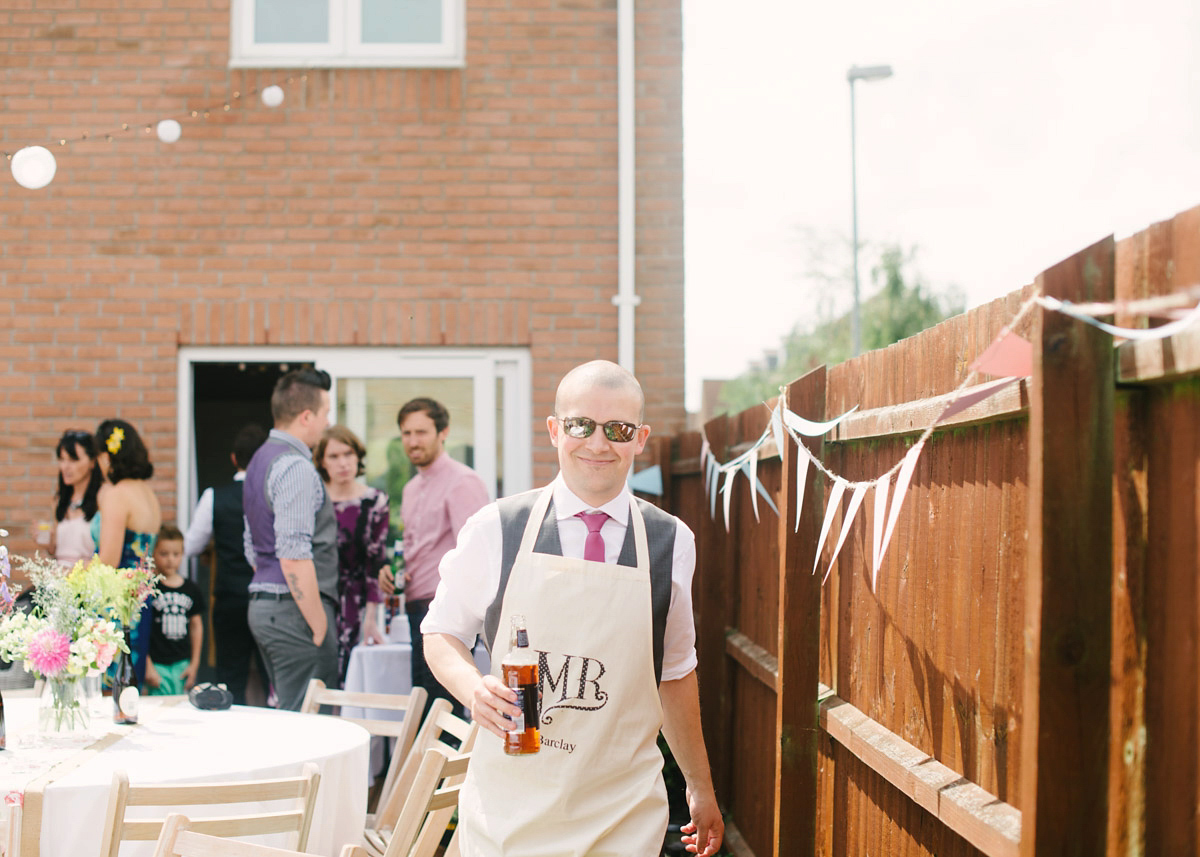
{"x": 1025, "y": 679}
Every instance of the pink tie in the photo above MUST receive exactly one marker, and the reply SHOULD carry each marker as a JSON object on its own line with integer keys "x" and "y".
{"x": 593, "y": 547}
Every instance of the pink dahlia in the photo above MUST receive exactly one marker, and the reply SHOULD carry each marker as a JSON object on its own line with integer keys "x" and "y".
{"x": 49, "y": 652}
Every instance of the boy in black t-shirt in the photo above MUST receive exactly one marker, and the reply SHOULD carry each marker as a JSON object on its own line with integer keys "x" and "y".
{"x": 176, "y": 639}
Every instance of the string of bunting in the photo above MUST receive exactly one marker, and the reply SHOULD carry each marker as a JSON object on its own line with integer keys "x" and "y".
{"x": 34, "y": 167}
{"x": 1008, "y": 359}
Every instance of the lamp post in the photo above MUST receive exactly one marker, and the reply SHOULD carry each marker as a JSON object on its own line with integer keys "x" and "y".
{"x": 871, "y": 72}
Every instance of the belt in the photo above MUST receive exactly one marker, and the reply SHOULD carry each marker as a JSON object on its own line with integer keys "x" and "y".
{"x": 270, "y": 596}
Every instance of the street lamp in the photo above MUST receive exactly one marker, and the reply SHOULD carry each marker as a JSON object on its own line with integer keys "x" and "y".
{"x": 870, "y": 72}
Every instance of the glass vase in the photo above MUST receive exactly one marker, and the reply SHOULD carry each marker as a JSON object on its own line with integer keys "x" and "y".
{"x": 63, "y": 706}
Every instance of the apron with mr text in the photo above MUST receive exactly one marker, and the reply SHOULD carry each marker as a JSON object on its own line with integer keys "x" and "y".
{"x": 595, "y": 787}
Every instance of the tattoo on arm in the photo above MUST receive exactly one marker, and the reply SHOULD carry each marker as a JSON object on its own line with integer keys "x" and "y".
{"x": 294, "y": 585}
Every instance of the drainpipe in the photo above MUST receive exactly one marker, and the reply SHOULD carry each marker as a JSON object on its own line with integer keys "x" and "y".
{"x": 626, "y": 298}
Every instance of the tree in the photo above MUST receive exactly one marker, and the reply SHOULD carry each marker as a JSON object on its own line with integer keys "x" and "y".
{"x": 895, "y": 311}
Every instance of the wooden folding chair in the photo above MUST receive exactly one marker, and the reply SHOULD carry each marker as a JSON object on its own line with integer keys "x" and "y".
{"x": 438, "y": 730}
{"x": 403, "y": 730}
{"x": 179, "y": 839}
{"x": 300, "y": 791}
{"x": 430, "y": 804}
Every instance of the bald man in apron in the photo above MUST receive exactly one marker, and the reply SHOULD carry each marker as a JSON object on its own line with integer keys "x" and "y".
{"x": 603, "y": 582}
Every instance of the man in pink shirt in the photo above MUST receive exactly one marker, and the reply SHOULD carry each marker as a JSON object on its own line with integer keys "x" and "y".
{"x": 434, "y": 506}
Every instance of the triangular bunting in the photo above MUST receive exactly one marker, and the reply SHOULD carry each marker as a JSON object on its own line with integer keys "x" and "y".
{"x": 648, "y": 481}
{"x": 751, "y": 468}
{"x": 1139, "y": 333}
{"x": 726, "y": 490}
{"x": 860, "y": 490}
{"x": 808, "y": 428}
{"x": 802, "y": 462}
{"x": 902, "y": 480}
{"x": 1010, "y": 356}
{"x": 705, "y": 451}
{"x": 974, "y": 396}
{"x": 835, "y": 500}
{"x": 766, "y": 495}
{"x": 881, "y": 498}
{"x": 712, "y": 487}
{"x": 777, "y": 426}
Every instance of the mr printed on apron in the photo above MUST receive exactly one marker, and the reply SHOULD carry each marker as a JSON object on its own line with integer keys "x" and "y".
{"x": 595, "y": 788}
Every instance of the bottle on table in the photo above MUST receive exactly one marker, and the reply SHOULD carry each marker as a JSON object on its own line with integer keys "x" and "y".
{"x": 3, "y": 733}
{"x": 519, "y": 671}
{"x": 125, "y": 693}
{"x": 395, "y": 601}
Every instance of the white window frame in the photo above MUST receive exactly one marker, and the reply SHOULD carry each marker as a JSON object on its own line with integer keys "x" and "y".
{"x": 345, "y": 48}
{"x": 484, "y": 365}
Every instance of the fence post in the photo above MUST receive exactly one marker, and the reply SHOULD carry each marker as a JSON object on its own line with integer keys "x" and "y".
{"x": 714, "y": 564}
{"x": 796, "y": 728}
{"x": 1068, "y": 598}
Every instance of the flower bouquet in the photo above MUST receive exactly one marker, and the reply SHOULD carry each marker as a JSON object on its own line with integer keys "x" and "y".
{"x": 76, "y": 625}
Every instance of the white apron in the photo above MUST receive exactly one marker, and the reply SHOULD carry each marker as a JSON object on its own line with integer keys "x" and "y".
{"x": 595, "y": 788}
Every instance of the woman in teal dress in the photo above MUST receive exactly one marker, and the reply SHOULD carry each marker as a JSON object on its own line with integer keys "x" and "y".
{"x": 129, "y": 516}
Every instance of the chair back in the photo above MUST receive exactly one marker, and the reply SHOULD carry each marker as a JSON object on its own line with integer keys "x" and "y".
{"x": 439, "y": 728}
{"x": 430, "y": 804}
{"x": 404, "y": 730}
{"x": 180, "y": 839}
{"x": 299, "y": 793}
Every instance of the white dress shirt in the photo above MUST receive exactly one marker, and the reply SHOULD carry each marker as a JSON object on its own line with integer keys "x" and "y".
{"x": 200, "y": 530}
{"x": 471, "y": 573}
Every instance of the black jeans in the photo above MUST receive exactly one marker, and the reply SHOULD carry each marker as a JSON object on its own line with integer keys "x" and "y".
{"x": 422, "y": 676}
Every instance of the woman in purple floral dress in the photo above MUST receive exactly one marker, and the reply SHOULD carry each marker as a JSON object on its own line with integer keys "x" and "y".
{"x": 362, "y": 520}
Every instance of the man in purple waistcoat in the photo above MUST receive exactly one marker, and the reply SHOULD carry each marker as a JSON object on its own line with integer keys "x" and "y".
{"x": 291, "y": 541}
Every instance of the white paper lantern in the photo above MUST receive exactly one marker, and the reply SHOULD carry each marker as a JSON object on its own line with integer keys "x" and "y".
{"x": 272, "y": 96}
{"x": 169, "y": 131}
{"x": 33, "y": 167}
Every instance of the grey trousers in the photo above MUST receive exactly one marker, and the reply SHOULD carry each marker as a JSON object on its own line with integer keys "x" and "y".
{"x": 285, "y": 641}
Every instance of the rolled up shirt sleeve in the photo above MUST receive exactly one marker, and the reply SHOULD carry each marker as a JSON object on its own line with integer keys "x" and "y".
{"x": 200, "y": 529}
{"x": 295, "y": 488}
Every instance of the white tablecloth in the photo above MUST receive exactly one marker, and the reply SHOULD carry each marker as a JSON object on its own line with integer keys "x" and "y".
{"x": 388, "y": 669}
{"x": 179, "y": 743}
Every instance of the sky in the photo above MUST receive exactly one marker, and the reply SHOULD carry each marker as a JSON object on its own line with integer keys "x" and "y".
{"x": 1011, "y": 135}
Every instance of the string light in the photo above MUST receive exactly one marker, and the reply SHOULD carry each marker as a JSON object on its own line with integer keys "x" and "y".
{"x": 169, "y": 130}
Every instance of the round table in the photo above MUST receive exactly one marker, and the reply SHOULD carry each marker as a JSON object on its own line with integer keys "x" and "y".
{"x": 173, "y": 743}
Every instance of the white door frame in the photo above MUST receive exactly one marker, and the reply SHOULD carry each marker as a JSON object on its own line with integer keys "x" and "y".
{"x": 483, "y": 365}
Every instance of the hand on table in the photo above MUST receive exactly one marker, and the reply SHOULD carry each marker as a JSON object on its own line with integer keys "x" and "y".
{"x": 493, "y": 705}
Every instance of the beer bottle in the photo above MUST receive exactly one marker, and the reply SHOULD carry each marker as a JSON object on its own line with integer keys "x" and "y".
{"x": 125, "y": 693}
{"x": 520, "y": 672}
{"x": 394, "y": 606}
{"x": 3, "y": 733}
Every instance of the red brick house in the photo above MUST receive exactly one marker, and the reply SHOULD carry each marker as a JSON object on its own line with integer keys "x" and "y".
{"x": 447, "y": 202}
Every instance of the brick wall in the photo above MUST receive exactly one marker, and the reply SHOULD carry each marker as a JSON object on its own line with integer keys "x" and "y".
{"x": 474, "y": 206}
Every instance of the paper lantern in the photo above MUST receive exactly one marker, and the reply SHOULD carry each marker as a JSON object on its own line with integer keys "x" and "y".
{"x": 33, "y": 167}
{"x": 272, "y": 96}
{"x": 169, "y": 131}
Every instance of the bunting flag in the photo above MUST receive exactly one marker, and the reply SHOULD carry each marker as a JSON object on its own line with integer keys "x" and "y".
{"x": 808, "y": 428}
{"x": 1142, "y": 333}
{"x": 1009, "y": 356}
{"x": 902, "y": 480}
{"x": 648, "y": 481}
{"x": 752, "y": 475}
{"x": 766, "y": 495}
{"x": 881, "y": 498}
{"x": 777, "y": 428}
{"x": 725, "y": 489}
{"x": 835, "y": 502}
{"x": 802, "y": 462}
{"x": 712, "y": 488}
{"x": 860, "y": 489}
{"x": 705, "y": 452}
{"x": 973, "y": 397}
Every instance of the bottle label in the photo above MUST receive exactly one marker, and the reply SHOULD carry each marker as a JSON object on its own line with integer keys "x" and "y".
{"x": 128, "y": 701}
{"x": 518, "y": 722}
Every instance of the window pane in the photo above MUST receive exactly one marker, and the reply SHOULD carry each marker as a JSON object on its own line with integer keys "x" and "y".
{"x": 291, "y": 21}
{"x": 403, "y": 21}
{"x": 368, "y": 406}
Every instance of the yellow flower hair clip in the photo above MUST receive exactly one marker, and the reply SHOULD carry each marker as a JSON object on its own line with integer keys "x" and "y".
{"x": 114, "y": 440}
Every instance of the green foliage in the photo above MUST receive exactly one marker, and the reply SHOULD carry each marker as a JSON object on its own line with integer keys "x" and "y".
{"x": 901, "y": 306}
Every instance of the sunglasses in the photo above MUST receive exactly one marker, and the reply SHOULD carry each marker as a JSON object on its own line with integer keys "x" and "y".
{"x": 617, "y": 431}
